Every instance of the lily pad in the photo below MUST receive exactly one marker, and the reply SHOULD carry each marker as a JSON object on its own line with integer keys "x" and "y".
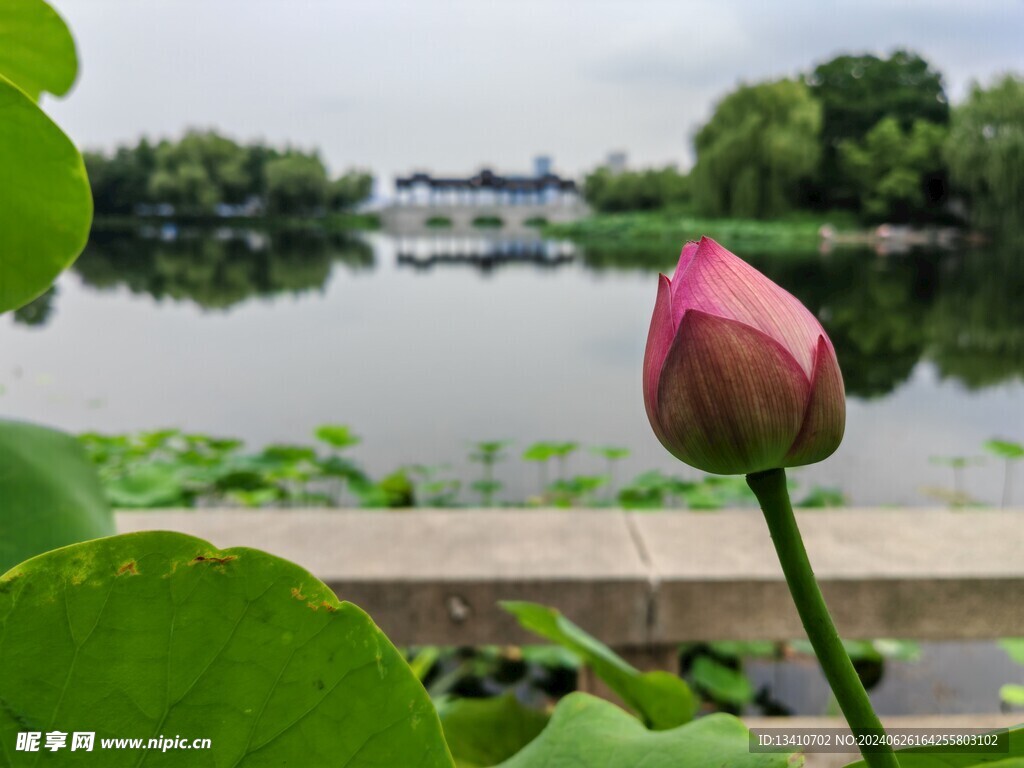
{"x": 722, "y": 683}
{"x": 660, "y": 698}
{"x": 483, "y": 732}
{"x": 37, "y": 52}
{"x": 45, "y": 200}
{"x": 147, "y": 486}
{"x": 585, "y": 731}
{"x": 50, "y": 495}
{"x": 158, "y": 633}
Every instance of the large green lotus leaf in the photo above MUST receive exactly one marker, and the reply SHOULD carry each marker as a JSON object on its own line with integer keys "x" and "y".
{"x": 45, "y": 201}
{"x": 483, "y": 732}
{"x": 958, "y": 757}
{"x": 660, "y": 698}
{"x": 50, "y": 495}
{"x": 159, "y": 633}
{"x": 585, "y": 731}
{"x": 37, "y": 52}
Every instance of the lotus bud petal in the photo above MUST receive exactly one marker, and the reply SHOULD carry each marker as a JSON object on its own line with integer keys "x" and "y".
{"x": 739, "y": 376}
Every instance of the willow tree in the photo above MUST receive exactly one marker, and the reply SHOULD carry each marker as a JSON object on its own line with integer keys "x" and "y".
{"x": 985, "y": 152}
{"x": 759, "y": 147}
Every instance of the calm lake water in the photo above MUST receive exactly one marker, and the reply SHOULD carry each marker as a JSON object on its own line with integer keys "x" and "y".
{"x": 427, "y": 345}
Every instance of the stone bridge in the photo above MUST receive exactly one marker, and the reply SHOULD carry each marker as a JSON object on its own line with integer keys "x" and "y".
{"x": 412, "y": 219}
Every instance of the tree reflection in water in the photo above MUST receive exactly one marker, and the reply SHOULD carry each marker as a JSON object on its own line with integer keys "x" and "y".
{"x": 217, "y": 269}
{"x": 958, "y": 309}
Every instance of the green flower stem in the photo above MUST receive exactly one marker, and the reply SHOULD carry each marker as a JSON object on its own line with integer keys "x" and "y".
{"x": 770, "y": 489}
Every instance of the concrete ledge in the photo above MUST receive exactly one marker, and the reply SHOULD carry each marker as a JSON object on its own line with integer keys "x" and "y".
{"x": 436, "y": 576}
{"x": 642, "y": 579}
{"x": 914, "y": 574}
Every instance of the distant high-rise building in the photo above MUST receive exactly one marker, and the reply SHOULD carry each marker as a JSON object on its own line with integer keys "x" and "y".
{"x": 616, "y": 162}
{"x": 541, "y": 166}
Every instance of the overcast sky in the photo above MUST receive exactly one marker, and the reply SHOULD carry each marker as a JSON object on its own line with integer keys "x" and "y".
{"x": 449, "y": 86}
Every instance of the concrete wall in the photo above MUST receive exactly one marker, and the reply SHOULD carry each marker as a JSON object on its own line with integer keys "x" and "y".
{"x": 643, "y": 580}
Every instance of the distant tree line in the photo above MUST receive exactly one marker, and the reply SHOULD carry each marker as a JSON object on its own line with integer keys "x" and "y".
{"x": 872, "y": 135}
{"x": 205, "y": 174}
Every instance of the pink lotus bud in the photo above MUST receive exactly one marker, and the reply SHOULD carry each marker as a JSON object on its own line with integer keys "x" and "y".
{"x": 739, "y": 376}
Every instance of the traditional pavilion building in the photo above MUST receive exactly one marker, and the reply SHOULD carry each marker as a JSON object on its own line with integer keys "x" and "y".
{"x": 487, "y": 188}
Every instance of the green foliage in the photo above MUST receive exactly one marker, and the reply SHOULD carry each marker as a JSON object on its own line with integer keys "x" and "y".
{"x": 338, "y": 436}
{"x": 157, "y": 632}
{"x": 651, "y": 189}
{"x": 1005, "y": 449}
{"x": 171, "y": 468}
{"x": 893, "y": 170}
{"x": 1014, "y": 647}
{"x": 986, "y": 153}
{"x": 217, "y": 272}
{"x": 856, "y": 92}
{"x": 37, "y": 52}
{"x": 296, "y": 184}
{"x": 611, "y": 452}
{"x": 652, "y": 240}
{"x": 535, "y": 674}
{"x": 204, "y": 171}
{"x": 1010, "y": 452}
{"x": 898, "y": 650}
{"x": 867, "y": 650}
{"x": 757, "y": 149}
{"x": 423, "y": 660}
{"x": 439, "y": 222}
{"x": 1012, "y": 694}
{"x": 431, "y": 489}
{"x": 49, "y": 493}
{"x": 547, "y": 450}
{"x": 483, "y": 732}
{"x": 487, "y": 453}
{"x": 576, "y": 491}
{"x": 121, "y": 181}
{"x": 720, "y": 682}
{"x": 975, "y": 324}
{"x": 396, "y": 490}
{"x": 45, "y": 207}
{"x": 585, "y": 731}
{"x": 200, "y": 171}
{"x": 152, "y": 486}
{"x": 716, "y": 672}
{"x": 820, "y": 497}
{"x": 349, "y": 190}
{"x": 37, "y": 312}
{"x": 488, "y": 222}
{"x": 716, "y": 669}
{"x": 655, "y": 490}
{"x": 660, "y": 698}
